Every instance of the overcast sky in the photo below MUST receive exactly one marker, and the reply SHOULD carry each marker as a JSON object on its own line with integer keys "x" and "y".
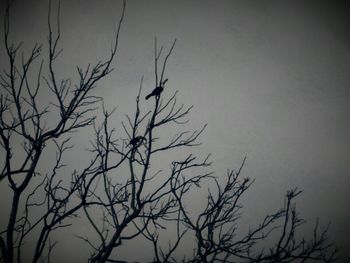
{"x": 271, "y": 79}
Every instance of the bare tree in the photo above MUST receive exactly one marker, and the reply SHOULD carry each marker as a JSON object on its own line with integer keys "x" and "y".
{"x": 145, "y": 196}
{"x": 122, "y": 192}
{"x": 133, "y": 208}
{"x": 216, "y": 227}
{"x": 22, "y": 122}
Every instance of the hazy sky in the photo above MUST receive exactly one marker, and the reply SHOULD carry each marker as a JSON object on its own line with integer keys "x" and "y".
{"x": 271, "y": 79}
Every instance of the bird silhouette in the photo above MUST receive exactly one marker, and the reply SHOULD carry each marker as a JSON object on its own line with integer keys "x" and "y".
{"x": 157, "y": 91}
{"x": 136, "y": 141}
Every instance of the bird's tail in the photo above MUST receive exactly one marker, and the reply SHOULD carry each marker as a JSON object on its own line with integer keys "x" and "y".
{"x": 148, "y": 96}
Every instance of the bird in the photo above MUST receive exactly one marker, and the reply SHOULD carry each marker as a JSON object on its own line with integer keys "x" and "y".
{"x": 158, "y": 90}
{"x": 136, "y": 141}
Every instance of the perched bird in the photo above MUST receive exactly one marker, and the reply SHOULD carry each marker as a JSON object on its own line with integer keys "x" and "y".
{"x": 136, "y": 141}
{"x": 157, "y": 91}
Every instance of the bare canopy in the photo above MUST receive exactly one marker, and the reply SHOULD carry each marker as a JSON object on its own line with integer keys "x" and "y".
{"x": 134, "y": 200}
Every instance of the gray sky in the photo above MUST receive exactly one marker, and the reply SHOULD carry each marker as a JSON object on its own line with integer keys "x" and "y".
{"x": 271, "y": 79}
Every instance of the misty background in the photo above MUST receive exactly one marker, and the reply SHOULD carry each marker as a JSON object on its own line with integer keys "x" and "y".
{"x": 271, "y": 79}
